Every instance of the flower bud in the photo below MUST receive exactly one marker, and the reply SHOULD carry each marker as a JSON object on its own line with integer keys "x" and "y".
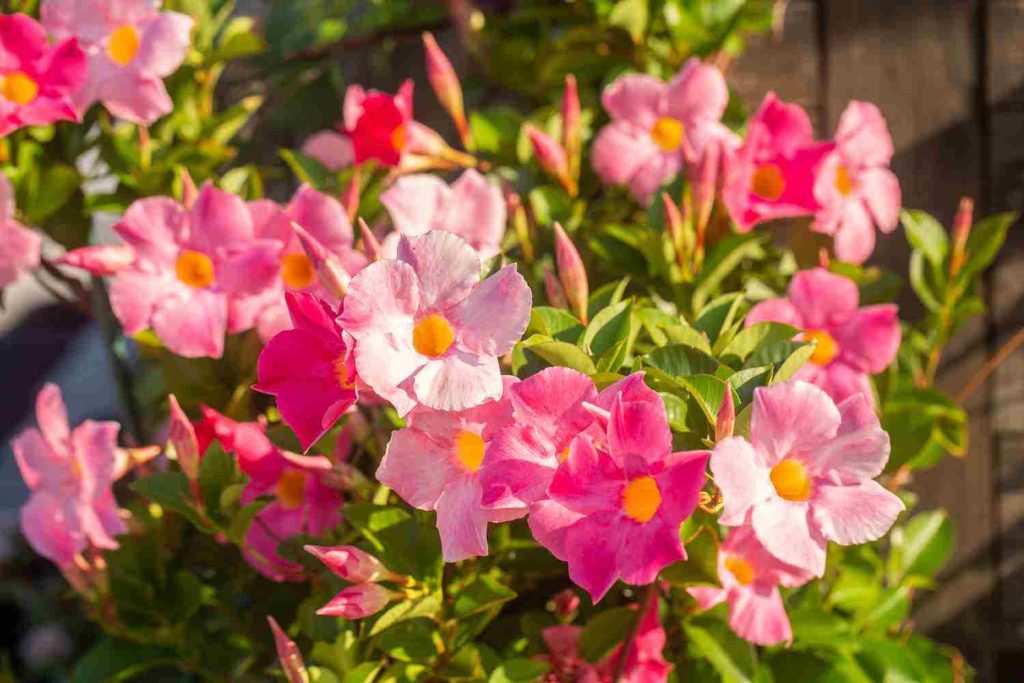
{"x": 571, "y": 134}
{"x": 705, "y": 188}
{"x": 288, "y": 654}
{"x": 551, "y": 157}
{"x": 572, "y": 274}
{"x": 566, "y": 603}
{"x": 100, "y": 260}
{"x": 356, "y": 602}
{"x": 371, "y": 246}
{"x": 726, "y": 421}
{"x": 447, "y": 88}
{"x": 350, "y": 197}
{"x": 332, "y": 276}
{"x": 182, "y": 436}
{"x": 962, "y": 224}
{"x": 520, "y": 223}
{"x": 351, "y": 563}
{"x": 423, "y": 141}
{"x": 553, "y": 288}
{"x": 189, "y": 191}
{"x": 673, "y": 223}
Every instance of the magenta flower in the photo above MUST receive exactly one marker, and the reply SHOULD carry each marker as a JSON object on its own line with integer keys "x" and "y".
{"x": 332, "y": 149}
{"x": 563, "y": 643}
{"x": 70, "y": 474}
{"x": 434, "y": 463}
{"x": 378, "y": 123}
{"x": 772, "y": 174}
{"x": 645, "y": 659}
{"x": 131, "y": 46}
{"x": 855, "y": 187}
{"x": 288, "y": 655}
{"x": 750, "y": 578}
{"x": 616, "y": 502}
{"x": 852, "y": 342}
{"x": 302, "y": 503}
{"x": 807, "y": 474}
{"x": 656, "y": 127}
{"x": 425, "y": 327}
{"x": 19, "y": 246}
{"x": 308, "y": 369}
{"x": 36, "y": 80}
{"x": 471, "y": 207}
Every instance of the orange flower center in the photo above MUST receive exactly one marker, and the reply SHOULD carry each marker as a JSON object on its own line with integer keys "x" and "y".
{"x": 826, "y": 348}
{"x": 740, "y": 569}
{"x": 667, "y": 133}
{"x": 768, "y": 182}
{"x": 844, "y": 184}
{"x": 297, "y": 271}
{"x": 432, "y": 336}
{"x": 195, "y": 269}
{"x": 342, "y": 374}
{"x": 790, "y": 480}
{"x": 123, "y": 45}
{"x": 469, "y": 450}
{"x": 291, "y": 489}
{"x": 564, "y": 455}
{"x": 641, "y": 499}
{"x": 18, "y": 87}
{"x": 398, "y": 138}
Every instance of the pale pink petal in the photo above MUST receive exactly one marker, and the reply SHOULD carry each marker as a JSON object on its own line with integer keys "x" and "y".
{"x": 51, "y": 526}
{"x": 871, "y": 338}
{"x": 776, "y": 311}
{"x": 218, "y": 219}
{"x": 823, "y": 299}
{"x": 518, "y": 466}
{"x": 850, "y": 515}
{"x": 854, "y": 239}
{"x": 385, "y": 361}
{"x": 382, "y": 299}
{"x": 636, "y": 98}
{"x": 620, "y": 150}
{"x": 19, "y": 252}
{"x": 757, "y": 615}
{"x": 333, "y": 150}
{"x": 862, "y": 135}
{"x": 446, "y": 266}
{"x": 250, "y": 268}
{"x": 416, "y": 202}
{"x": 153, "y": 226}
{"x": 163, "y": 44}
{"x": 789, "y": 418}
{"x": 457, "y": 381}
{"x": 193, "y": 326}
{"x": 707, "y": 596}
{"x": 880, "y": 190}
{"x": 38, "y": 462}
{"x": 742, "y": 478}
{"x": 6, "y": 199}
{"x": 698, "y": 91}
{"x": 476, "y": 212}
{"x": 134, "y": 295}
{"x": 52, "y": 417}
{"x": 861, "y": 447}
{"x": 95, "y": 445}
{"x": 357, "y": 602}
{"x": 323, "y": 217}
{"x": 652, "y": 174}
{"x": 461, "y": 521}
{"x": 483, "y": 332}
{"x": 418, "y": 467}
{"x": 135, "y": 97}
{"x": 784, "y": 528}
{"x": 839, "y": 380}
{"x": 352, "y": 107}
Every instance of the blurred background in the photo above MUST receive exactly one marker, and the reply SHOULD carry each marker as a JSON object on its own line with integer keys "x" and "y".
{"x": 947, "y": 74}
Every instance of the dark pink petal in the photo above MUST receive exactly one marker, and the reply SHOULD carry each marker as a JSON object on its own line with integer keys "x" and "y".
{"x": 588, "y": 481}
{"x": 787, "y": 124}
{"x": 640, "y": 429}
{"x": 250, "y": 268}
{"x": 518, "y": 467}
{"x": 549, "y": 523}
{"x": 850, "y": 515}
{"x": 551, "y": 400}
{"x": 357, "y": 602}
{"x": 591, "y": 549}
{"x": 22, "y": 41}
{"x": 643, "y": 550}
{"x": 822, "y": 298}
{"x": 483, "y": 332}
{"x": 680, "y": 484}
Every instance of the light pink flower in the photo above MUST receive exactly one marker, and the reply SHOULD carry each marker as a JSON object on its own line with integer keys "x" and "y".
{"x": 433, "y": 464}
{"x": 855, "y": 187}
{"x": 807, "y": 474}
{"x": 852, "y": 342}
{"x": 750, "y": 578}
{"x": 70, "y": 474}
{"x": 132, "y": 47}
{"x": 425, "y": 325}
{"x": 36, "y": 80}
{"x": 308, "y": 369}
{"x": 616, "y": 503}
{"x": 471, "y": 207}
{"x": 302, "y": 503}
{"x": 19, "y": 246}
{"x": 358, "y": 601}
{"x": 332, "y": 149}
{"x": 656, "y": 127}
{"x": 773, "y": 172}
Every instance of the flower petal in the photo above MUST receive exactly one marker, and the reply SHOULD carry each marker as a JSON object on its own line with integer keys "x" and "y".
{"x": 637, "y": 98}
{"x": 418, "y": 467}
{"x": 823, "y": 298}
{"x": 461, "y": 521}
{"x": 742, "y": 478}
{"x": 193, "y": 326}
{"x": 457, "y": 381}
{"x": 784, "y": 529}
{"x": 871, "y": 338}
{"x": 791, "y": 418}
{"x": 850, "y": 515}
{"x": 446, "y": 266}
{"x": 483, "y": 332}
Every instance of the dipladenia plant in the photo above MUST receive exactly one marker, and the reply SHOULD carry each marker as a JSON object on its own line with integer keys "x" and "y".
{"x": 544, "y": 402}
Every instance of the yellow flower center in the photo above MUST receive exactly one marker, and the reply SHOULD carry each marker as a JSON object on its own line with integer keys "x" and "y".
{"x": 826, "y": 349}
{"x": 641, "y": 499}
{"x": 844, "y": 184}
{"x": 291, "y": 488}
{"x": 667, "y": 133}
{"x": 790, "y": 480}
{"x": 398, "y": 138}
{"x": 564, "y": 455}
{"x": 297, "y": 271}
{"x": 469, "y": 450}
{"x": 741, "y": 570}
{"x": 768, "y": 182}
{"x": 432, "y": 336}
{"x": 342, "y": 374}
{"x": 195, "y": 269}
{"x": 124, "y": 43}
{"x": 18, "y": 87}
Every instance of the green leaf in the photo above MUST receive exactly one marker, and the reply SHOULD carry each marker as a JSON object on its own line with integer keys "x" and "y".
{"x": 240, "y": 523}
{"x": 559, "y": 353}
{"x": 708, "y": 390}
{"x": 631, "y": 16}
{"x": 171, "y": 491}
{"x": 921, "y": 546}
{"x": 320, "y": 675}
{"x": 119, "y": 660}
{"x": 719, "y": 316}
{"x": 555, "y": 323}
{"x": 409, "y": 639}
{"x": 724, "y": 258}
{"x": 425, "y": 606}
{"x": 608, "y": 327}
{"x": 56, "y": 186}
{"x": 307, "y": 169}
{"x": 364, "y": 673}
{"x": 983, "y": 244}
{"x": 519, "y": 671}
{"x": 919, "y": 283}
{"x": 481, "y": 594}
{"x": 237, "y": 40}
{"x": 404, "y": 543}
{"x": 217, "y": 470}
{"x": 701, "y": 564}
{"x": 605, "y": 631}
{"x": 750, "y": 338}
{"x": 732, "y": 658}
{"x": 926, "y": 235}
{"x": 682, "y": 361}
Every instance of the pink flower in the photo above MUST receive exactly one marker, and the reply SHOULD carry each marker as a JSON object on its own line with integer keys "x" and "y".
{"x": 434, "y": 463}
{"x": 19, "y": 246}
{"x": 645, "y": 661}
{"x": 36, "y": 80}
{"x": 358, "y": 601}
{"x": 852, "y": 342}
{"x": 188, "y": 264}
{"x": 806, "y": 475}
{"x": 308, "y": 369}
{"x": 750, "y": 578}
{"x": 563, "y": 643}
{"x": 773, "y": 172}
{"x": 656, "y": 127}
{"x": 378, "y": 123}
{"x": 352, "y": 564}
{"x": 425, "y": 327}
{"x": 302, "y": 503}
{"x": 70, "y": 474}
{"x": 471, "y": 207}
{"x": 333, "y": 150}
{"x": 131, "y": 47}
{"x": 855, "y": 187}
{"x": 616, "y": 502}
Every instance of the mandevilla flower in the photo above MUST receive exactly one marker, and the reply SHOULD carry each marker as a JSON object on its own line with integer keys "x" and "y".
{"x": 434, "y": 464}
{"x": 36, "y": 80}
{"x": 426, "y": 328}
{"x": 132, "y": 47}
{"x": 70, "y": 474}
{"x": 378, "y": 123}
{"x": 807, "y": 474}
{"x": 852, "y": 342}
{"x": 750, "y": 578}
{"x": 19, "y": 246}
{"x": 471, "y": 207}
{"x": 855, "y": 187}
{"x": 333, "y": 150}
{"x": 616, "y": 503}
{"x": 657, "y": 127}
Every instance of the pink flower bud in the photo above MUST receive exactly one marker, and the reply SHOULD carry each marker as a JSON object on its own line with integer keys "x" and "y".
{"x": 551, "y": 157}
{"x": 566, "y": 602}
{"x": 371, "y": 245}
{"x": 962, "y": 223}
{"x": 520, "y": 224}
{"x": 673, "y": 220}
{"x": 356, "y": 602}
{"x": 553, "y": 289}
{"x": 351, "y": 563}
{"x": 571, "y": 135}
{"x": 572, "y": 273}
{"x": 100, "y": 260}
{"x": 182, "y": 436}
{"x": 189, "y": 191}
{"x": 350, "y": 198}
{"x": 332, "y": 276}
{"x": 423, "y": 141}
{"x": 447, "y": 88}
{"x": 289, "y": 655}
{"x": 705, "y": 188}
{"x": 726, "y": 421}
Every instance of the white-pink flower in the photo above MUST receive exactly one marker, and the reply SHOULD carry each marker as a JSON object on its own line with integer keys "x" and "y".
{"x": 427, "y": 330}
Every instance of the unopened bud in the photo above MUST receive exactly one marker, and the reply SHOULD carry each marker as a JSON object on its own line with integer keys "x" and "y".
{"x": 447, "y": 87}
{"x": 551, "y": 157}
{"x": 189, "y": 191}
{"x": 962, "y": 224}
{"x": 571, "y": 133}
{"x": 520, "y": 224}
{"x": 182, "y": 436}
{"x": 351, "y": 563}
{"x": 553, "y": 288}
{"x": 566, "y": 603}
{"x": 572, "y": 274}
{"x": 288, "y": 654}
{"x": 726, "y": 421}
{"x": 100, "y": 260}
{"x": 423, "y": 141}
{"x": 350, "y": 197}
{"x": 371, "y": 245}
{"x": 331, "y": 274}
{"x": 356, "y": 602}
{"x": 706, "y": 187}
